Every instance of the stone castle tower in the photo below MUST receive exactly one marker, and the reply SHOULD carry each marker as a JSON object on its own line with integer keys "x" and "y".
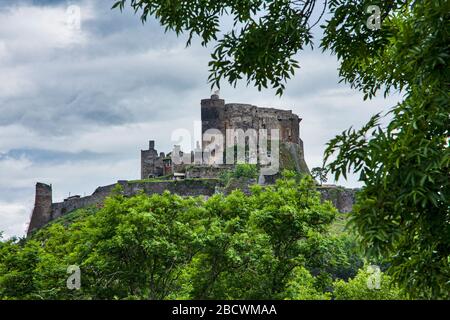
{"x": 152, "y": 163}
{"x": 216, "y": 114}
{"x": 42, "y": 212}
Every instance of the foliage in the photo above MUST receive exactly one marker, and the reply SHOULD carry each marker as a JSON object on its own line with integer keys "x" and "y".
{"x": 358, "y": 288}
{"x": 403, "y": 211}
{"x": 16, "y": 269}
{"x": 302, "y": 286}
{"x": 319, "y": 174}
{"x": 260, "y": 45}
{"x": 240, "y": 171}
{"x": 245, "y": 170}
{"x": 337, "y": 256}
{"x": 165, "y": 247}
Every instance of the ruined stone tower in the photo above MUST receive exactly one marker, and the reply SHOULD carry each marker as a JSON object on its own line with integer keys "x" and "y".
{"x": 212, "y": 115}
{"x": 42, "y": 212}
{"x": 218, "y": 115}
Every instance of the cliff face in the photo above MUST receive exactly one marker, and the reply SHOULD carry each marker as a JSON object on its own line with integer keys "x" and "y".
{"x": 292, "y": 157}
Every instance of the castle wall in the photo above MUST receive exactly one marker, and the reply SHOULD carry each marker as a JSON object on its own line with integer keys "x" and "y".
{"x": 42, "y": 212}
{"x": 61, "y": 208}
{"x": 212, "y": 115}
{"x": 206, "y": 171}
{"x": 216, "y": 114}
{"x": 203, "y": 187}
{"x": 46, "y": 211}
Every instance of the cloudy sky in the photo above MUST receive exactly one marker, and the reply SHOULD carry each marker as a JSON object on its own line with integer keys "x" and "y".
{"x": 78, "y": 105}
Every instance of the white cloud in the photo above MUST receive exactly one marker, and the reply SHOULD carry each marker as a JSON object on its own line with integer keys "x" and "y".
{"x": 14, "y": 219}
{"x": 34, "y": 31}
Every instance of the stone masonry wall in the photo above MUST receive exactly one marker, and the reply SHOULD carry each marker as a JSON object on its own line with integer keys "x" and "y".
{"x": 195, "y": 187}
{"x": 61, "y": 208}
{"x": 205, "y": 171}
{"x": 46, "y": 211}
{"x": 216, "y": 114}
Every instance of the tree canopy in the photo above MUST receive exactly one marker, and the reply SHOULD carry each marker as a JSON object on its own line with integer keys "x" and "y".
{"x": 403, "y": 211}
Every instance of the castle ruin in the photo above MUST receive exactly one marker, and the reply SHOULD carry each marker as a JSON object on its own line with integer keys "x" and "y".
{"x": 216, "y": 115}
{"x": 199, "y": 177}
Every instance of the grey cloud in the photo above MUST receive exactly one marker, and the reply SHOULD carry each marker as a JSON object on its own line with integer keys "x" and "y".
{"x": 79, "y": 85}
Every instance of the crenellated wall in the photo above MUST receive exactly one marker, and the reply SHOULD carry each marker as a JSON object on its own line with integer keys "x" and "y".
{"x": 46, "y": 211}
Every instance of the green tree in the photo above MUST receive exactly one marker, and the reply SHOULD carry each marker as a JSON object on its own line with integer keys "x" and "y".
{"x": 137, "y": 247}
{"x": 362, "y": 287}
{"x": 17, "y": 263}
{"x": 333, "y": 257}
{"x": 302, "y": 286}
{"x": 245, "y": 170}
{"x": 319, "y": 174}
{"x": 291, "y": 214}
{"x": 259, "y": 45}
{"x": 256, "y": 242}
{"x": 402, "y": 213}
{"x": 240, "y": 171}
{"x": 166, "y": 247}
